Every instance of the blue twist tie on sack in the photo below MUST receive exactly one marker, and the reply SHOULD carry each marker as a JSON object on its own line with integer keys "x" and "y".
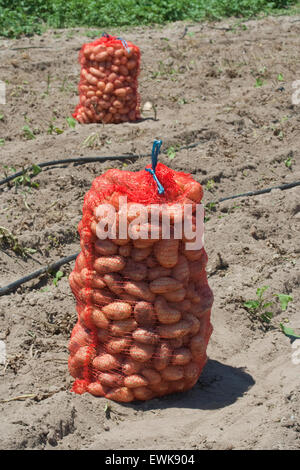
{"x": 154, "y": 156}
{"x": 124, "y": 44}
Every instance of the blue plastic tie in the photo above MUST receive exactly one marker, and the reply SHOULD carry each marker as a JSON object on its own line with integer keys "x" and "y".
{"x": 124, "y": 44}
{"x": 105, "y": 35}
{"x": 154, "y": 156}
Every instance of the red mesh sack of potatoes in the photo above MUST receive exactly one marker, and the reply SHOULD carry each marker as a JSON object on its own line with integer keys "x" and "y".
{"x": 143, "y": 304}
{"x": 108, "y": 87}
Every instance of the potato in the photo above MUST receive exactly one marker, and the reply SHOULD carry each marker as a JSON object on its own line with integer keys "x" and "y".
{"x": 120, "y": 92}
{"x": 141, "y": 352}
{"x": 183, "y": 306}
{"x": 143, "y": 393}
{"x": 109, "y": 88}
{"x": 145, "y": 336}
{"x": 103, "y": 336}
{"x": 181, "y": 271}
{"x": 171, "y": 373}
{"x": 111, "y": 379}
{"x": 176, "y": 330}
{"x": 109, "y": 264}
{"x": 81, "y": 262}
{"x": 198, "y": 346}
{"x": 194, "y": 323}
{"x": 139, "y": 289}
{"x": 106, "y": 362}
{"x": 165, "y": 313}
{"x": 122, "y": 394}
{"x": 112, "y": 77}
{"x": 191, "y": 293}
{"x": 204, "y": 305}
{"x": 117, "y": 310}
{"x": 131, "y": 367}
{"x": 176, "y": 295}
{"x": 151, "y": 262}
{"x": 143, "y": 243}
{"x": 177, "y": 386}
{"x": 166, "y": 252}
{"x": 84, "y": 356}
{"x": 191, "y": 371}
{"x": 153, "y": 377}
{"x": 91, "y": 279}
{"x": 162, "y": 356}
{"x": 135, "y": 380}
{"x": 105, "y": 247}
{"x": 181, "y": 356}
{"x": 99, "y": 319}
{"x": 193, "y": 255}
{"x": 175, "y": 343}
{"x": 74, "y": 369}
{"x": 160, "y": 389}
{"x": 139, "y": 254}
{"x": 197, "y": 269}
{"x": 118, "y": 345}
{"x": 128, "y": 298}
{"x": 75, "y": 282}
{"x": 114, "y": 282}
{"x": 101, "y": 297}
{"x": 96, "y": 389}
{"x": 125, "y": 250}
{"x": 144, "y": 314}
{"x": 134, "y": 271}
{"x": 101, "y": 56}
{"x": 164, "y": 285}
{"x": 131, "y": 64}
{"x": 122, "y": 327}
{"x": 80, "y": 337}
{"x": 157, "y": 272}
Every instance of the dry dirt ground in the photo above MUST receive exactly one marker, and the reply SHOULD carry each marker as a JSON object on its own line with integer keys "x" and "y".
{"x": 203, "y": 87}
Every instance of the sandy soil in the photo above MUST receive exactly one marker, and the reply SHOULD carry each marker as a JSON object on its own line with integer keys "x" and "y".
{"x": 202, "y": 85}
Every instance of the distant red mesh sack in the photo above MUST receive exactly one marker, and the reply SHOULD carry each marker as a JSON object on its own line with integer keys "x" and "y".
{"x": 108, "y": 87}
{"x": 143, "y": 304}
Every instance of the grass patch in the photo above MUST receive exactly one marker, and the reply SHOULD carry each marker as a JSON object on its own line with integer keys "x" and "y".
{"x": 27, "y": 17}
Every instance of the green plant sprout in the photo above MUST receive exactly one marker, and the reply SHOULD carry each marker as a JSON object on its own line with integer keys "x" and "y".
{"x": 71, "y": 122}
{"x": 9, "y": 240}
{"x": 58, "y": 275}
{"x": 259, "y": 308}
{"x": 210, "y": 184}
{"x": 25, "y": 178}
{"x": 171, "y": 152}
{"x": 28, "y": 133}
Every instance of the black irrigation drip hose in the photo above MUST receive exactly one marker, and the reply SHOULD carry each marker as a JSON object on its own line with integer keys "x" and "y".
{"x": 51, "y": 267}
{"x": 79, "y": 160}
{"x": 68, "y": 259}
{"x": 83, "y": 160}
{"x": 261, "y": 191}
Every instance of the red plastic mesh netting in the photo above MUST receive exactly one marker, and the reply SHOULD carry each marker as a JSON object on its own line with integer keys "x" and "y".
{"x": 108, "y": 87}
{"x": 143, "y": 304}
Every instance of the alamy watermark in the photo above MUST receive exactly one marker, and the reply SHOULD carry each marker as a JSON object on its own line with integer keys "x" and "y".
{"x": 296, "y": 94}
{"x": 2, "y": 92}
{"x": 296, "y": 353}
{"x": 2, "y": 353}
{"x": 154, "y": 221}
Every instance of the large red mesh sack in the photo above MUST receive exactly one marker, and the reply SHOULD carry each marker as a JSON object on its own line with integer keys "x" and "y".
{"x": 108, "y": 87}
{"x": 143, "y": 304}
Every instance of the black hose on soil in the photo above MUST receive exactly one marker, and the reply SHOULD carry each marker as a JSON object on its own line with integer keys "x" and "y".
{"x": 83, "y": 160}
{"x": 51, "y": 267}
{"x": 261, "y": 191}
